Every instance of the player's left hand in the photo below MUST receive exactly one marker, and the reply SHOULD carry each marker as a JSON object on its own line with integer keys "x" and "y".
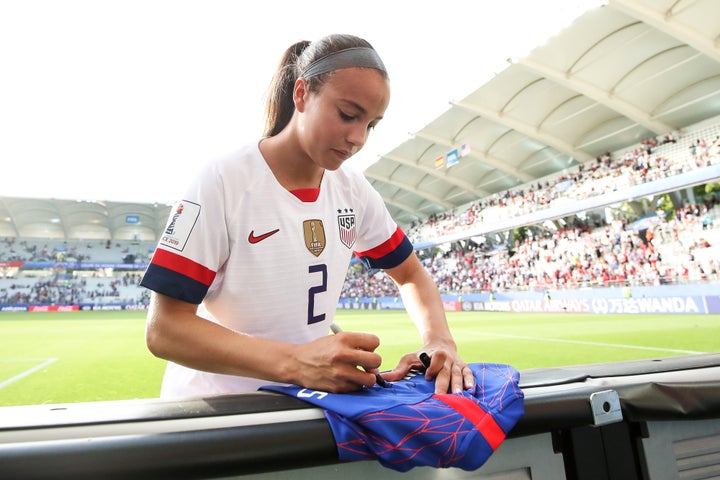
{"x": 450, "y": 372}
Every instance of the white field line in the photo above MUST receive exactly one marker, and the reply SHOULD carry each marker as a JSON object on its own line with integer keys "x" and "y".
{"x": 30, "y": 371}
{"x": 595, "y": 344}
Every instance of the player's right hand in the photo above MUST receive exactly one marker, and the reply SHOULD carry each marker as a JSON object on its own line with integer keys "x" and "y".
{"x": 343, "y": 362}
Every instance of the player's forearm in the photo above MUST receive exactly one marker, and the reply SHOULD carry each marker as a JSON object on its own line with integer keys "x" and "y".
{"x": 203, "y": 345}
{"x": 424, "y": 305}
{"x": 422, "y": 301}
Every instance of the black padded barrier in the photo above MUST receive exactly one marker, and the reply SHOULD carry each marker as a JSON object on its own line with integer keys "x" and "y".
{"x": 240, "y": 434}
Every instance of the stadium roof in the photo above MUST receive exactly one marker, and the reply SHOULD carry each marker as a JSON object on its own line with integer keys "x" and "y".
{"x": 619, "y": 74}
{"x": 70, "y": 219}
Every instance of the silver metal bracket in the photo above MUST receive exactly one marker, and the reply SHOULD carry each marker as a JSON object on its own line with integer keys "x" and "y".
{"x": 605, "y": 407}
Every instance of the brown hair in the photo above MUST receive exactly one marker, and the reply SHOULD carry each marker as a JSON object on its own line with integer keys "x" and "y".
{"x": 279, "y": 106}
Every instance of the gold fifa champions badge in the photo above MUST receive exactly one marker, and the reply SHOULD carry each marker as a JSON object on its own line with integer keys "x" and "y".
{"x": 314, "y": 233}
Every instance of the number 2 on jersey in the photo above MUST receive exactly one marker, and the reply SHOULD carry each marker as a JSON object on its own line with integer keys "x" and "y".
{"x": 312, "y": 318}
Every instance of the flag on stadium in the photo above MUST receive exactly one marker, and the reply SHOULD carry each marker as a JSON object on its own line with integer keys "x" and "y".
{"x": 452, "y": 158}
{"x": 439, "y": 162}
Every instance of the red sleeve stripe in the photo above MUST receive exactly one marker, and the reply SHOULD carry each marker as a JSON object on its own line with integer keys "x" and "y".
{"x": 482, "y": 420}
{"x": 385, "y": 248}
{"x": 185, "y": 266}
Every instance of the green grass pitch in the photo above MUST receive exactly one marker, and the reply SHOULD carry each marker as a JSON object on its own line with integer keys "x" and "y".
{"x": 95, "y": 356}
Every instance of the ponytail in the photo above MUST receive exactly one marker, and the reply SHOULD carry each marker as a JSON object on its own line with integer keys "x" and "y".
{"x": 279, "y": 106}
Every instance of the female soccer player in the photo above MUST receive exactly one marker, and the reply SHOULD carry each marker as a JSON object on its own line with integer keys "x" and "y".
{"x": 248, "y": 272}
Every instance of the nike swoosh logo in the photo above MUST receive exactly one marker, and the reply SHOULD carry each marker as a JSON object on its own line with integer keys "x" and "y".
{"x": 255, "y": 239}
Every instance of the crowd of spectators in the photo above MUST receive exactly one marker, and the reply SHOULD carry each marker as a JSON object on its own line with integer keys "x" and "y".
{"x": 653, "y": 159}
{"x": 582, "y": 255}
{"x": 60, "y": 290}
{"x": 14, "y": 249}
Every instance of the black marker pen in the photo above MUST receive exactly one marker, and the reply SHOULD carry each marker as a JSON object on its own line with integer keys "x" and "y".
{"x": 378, "y": 378}
{"x": 425, "y": 359}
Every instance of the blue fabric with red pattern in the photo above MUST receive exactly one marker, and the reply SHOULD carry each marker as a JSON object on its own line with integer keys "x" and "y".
{"x": 408, "y": 425}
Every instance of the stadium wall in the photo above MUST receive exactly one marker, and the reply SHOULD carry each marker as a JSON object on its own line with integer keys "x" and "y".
{"x": 663, "y": 299}
{"x": 71, "y": 308}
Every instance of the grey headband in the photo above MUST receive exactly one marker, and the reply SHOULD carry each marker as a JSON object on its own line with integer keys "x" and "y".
{"x": 348, "y": 58}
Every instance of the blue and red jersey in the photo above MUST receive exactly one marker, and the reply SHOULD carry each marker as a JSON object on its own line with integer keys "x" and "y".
{"x": 408, "y": 425}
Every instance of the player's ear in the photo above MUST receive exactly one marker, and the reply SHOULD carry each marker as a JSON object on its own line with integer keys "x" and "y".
{"x": 300, "y": 94}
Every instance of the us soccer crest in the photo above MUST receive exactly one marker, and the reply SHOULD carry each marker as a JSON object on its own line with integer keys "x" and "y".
{"x": 346, "y": 226}
{"x": 314, "y": 233}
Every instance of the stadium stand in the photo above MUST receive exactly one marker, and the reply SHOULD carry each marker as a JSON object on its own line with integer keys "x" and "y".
{"x": 51, "y": 271}
{"x": 586, "y": 249}
{"x": 618, "y": 246}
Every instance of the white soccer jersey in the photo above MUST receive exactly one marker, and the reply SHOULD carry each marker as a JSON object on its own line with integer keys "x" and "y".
{"x": 263, "y": 262}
